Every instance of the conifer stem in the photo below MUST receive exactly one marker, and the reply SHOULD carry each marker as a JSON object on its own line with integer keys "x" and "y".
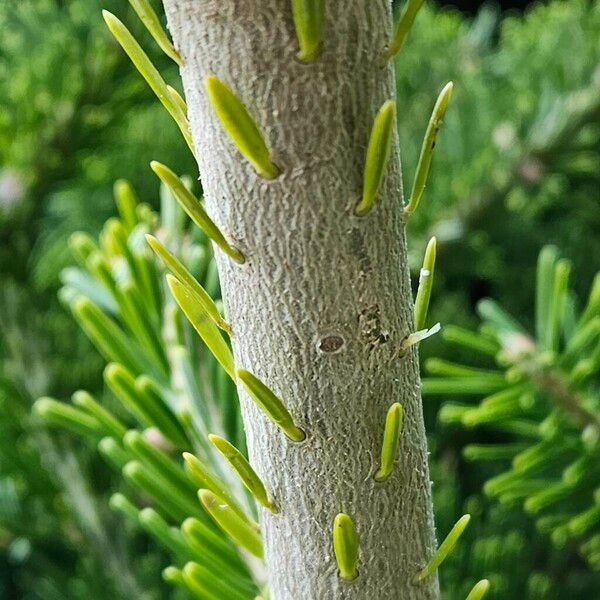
{"x": 323, "y": 302}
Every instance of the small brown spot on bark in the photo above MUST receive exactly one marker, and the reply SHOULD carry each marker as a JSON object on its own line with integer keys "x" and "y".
{"x": 331, "y": 343}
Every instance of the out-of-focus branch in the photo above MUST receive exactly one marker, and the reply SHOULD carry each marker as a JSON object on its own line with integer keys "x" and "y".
{"x": 544, "y": 141}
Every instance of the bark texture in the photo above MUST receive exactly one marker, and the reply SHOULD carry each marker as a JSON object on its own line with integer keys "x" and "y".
{"x": 323, "y": 302}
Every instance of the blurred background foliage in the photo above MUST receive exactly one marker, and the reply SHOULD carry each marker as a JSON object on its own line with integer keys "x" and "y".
{"x": 517, "y": 166}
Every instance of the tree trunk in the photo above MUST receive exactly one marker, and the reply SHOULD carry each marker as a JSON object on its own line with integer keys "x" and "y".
{"x": 323, "y": 302}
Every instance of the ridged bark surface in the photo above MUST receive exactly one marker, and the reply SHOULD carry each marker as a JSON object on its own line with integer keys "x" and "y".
{"x": 323, "y": 302}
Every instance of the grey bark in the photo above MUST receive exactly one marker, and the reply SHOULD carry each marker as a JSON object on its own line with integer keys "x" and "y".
{"x": 323, "y": 302}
